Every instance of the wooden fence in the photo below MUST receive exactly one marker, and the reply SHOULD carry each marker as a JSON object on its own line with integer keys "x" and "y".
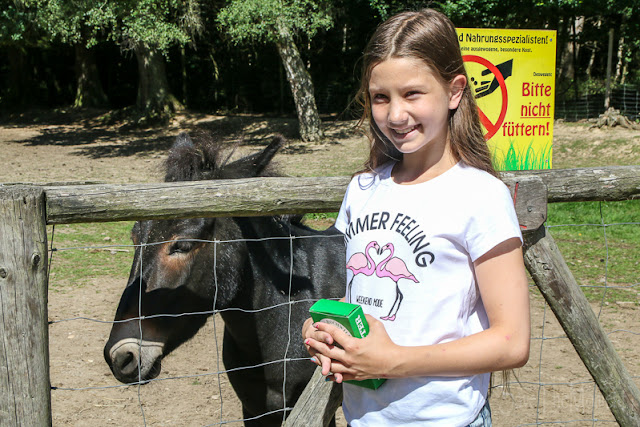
{"x": 26, "y": 210}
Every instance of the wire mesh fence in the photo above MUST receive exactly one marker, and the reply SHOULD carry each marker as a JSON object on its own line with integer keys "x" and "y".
{"x": 625, "y": 98}
{"x": 193, "y": 387}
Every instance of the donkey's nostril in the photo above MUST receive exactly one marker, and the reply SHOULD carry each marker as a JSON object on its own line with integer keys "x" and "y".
{"x": 126, "y": 362}
{"x": 132, "y": 360}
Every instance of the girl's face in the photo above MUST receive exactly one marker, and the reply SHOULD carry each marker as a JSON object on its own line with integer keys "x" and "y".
{"x": 411, "y": 106}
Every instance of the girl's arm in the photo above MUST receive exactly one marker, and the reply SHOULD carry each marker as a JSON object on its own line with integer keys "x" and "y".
{"x": 502, "y": 281}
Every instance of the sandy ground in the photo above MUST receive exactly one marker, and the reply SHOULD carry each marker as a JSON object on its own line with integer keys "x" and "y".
{"x": 554, "y": 387}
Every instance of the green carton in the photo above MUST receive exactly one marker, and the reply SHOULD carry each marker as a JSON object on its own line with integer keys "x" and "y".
{"x": 349, "y": 318}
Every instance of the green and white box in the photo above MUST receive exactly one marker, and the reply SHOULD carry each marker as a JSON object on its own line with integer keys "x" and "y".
{"x": 348, "y": 317}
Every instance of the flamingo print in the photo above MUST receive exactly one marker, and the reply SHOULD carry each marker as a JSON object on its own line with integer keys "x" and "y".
{"x": 361, "y": 263}
{"x": 395, "y": 269}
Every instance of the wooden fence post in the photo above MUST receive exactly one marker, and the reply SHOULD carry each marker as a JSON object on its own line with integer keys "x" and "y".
{"x": 25, "y": 398}
{"x": 318, "y": 403}
{"x": 561, "y": 291}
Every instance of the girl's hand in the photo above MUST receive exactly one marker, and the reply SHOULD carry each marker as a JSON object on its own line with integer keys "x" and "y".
{"x": 310, "y": 334}
{"x": 349, "y": 358}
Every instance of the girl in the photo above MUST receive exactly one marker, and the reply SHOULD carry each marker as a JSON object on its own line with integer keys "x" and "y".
{"x": 441, "y": 276}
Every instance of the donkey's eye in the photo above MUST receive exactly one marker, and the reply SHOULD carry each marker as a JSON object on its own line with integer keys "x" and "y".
{"x": 181, "y": 247}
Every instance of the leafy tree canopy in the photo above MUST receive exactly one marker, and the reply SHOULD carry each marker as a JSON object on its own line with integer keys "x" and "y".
{"x": 255, "y": 21}
{"x": 157, "y": 23}
{"x": 17, "y": 23}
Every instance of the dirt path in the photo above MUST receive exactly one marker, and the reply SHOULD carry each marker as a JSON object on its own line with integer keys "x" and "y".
{"x": 553, "y": 387}
{"x": 88, "y": 150}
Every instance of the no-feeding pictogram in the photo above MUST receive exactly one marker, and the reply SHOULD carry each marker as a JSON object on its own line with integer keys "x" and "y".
{"x": 500, "y": 73}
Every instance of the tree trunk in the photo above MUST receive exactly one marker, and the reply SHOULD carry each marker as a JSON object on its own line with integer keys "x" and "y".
{"x": 154, "y": 99}
{"x": 570, "y": 51}
{"x": 183, "y": 69}
{"x": 22, "y": 87}
{"x": 619, "y": 65}
{"x": 89, "y": 92}
{"x": 592, "y": 55}
{"x": 619, "y": 77}
{"x": 607, "y": 96}
{"x": 301, "y": 86}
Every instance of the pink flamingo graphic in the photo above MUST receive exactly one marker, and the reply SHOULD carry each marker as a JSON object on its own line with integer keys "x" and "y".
{"x": 361, "y": 263}
{"x": 395, "y": 269}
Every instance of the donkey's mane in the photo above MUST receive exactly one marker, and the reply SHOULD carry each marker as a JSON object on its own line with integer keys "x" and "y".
{"x": 193, "y": 160}
{"x": 205, "y": 157}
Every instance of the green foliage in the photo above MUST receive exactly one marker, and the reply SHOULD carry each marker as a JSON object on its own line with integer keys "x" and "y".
{"x": 158, "y": 23}
{"x": 509, "y": 13}
{"x": 75, "y": 22}
{"x": 17, "y": 24}
{"x": 256, "y": 21}
{"x": 221, "y": 76}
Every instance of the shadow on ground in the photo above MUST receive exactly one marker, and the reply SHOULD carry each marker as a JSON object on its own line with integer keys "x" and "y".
{"x": 102, "y": 134}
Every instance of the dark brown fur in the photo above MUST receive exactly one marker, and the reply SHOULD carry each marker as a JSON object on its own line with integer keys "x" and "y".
{"x": 177, "y": 277}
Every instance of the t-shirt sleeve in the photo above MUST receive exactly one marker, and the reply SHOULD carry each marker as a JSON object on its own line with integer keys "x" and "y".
{"x": 493, "y": 221}
{"x": 342, "y": 221}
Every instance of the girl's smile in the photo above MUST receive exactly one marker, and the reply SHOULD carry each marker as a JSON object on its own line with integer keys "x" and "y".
{"x": 411, "y": 106}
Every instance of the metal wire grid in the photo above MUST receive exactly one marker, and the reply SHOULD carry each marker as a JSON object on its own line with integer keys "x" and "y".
{"x": 625, "y": 98}
{"x": 540, "y": 384}
{"x": 219, "y": 371}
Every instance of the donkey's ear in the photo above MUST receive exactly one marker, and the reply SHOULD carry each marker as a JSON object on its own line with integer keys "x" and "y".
{"x": 184, "y": 161}
{"x": 254, "y": 164}
{"x": 182, "y": 140}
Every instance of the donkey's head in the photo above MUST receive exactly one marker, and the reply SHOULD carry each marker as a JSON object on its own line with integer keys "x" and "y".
{"x": 174, "y": 264}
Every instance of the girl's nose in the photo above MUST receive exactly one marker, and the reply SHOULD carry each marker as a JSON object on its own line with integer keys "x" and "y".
{"x": 397, "y": 114}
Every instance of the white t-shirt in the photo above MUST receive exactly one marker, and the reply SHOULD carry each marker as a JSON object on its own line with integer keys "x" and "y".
{"x": 418, "y": 278}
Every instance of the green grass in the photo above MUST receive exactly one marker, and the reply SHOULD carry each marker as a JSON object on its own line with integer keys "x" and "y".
{"x": 605, "y": 260}
{"x": 84, "y": 252}
{"x": 329, "y": 216}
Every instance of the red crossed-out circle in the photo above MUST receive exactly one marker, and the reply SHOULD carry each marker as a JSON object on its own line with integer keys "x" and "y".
{"x": 492, "y": 128}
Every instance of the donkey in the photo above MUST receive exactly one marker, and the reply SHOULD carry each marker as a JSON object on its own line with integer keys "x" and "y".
{"x": 262, "y": 297}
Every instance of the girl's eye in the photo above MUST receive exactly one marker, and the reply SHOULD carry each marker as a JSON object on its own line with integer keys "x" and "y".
{"x": 412, "y": 94}
{"x": 378, "y": 97}
{"x": 181, "y": 247}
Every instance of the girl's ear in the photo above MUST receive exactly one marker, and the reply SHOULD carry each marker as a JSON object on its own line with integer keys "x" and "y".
{"x": 457, "y": 86}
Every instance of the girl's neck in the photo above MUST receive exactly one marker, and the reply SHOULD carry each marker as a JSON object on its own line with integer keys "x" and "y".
{"x": 416, "y": 168}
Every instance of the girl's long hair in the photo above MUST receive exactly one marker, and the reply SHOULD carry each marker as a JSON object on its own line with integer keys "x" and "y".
{"x": 429, "y": 36}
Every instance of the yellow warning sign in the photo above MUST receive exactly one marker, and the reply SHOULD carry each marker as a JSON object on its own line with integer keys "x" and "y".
{"x": 512, "y": 75}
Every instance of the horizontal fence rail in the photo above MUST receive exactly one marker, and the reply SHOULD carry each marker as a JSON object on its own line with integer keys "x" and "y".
{"x": 273, "y": 196}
